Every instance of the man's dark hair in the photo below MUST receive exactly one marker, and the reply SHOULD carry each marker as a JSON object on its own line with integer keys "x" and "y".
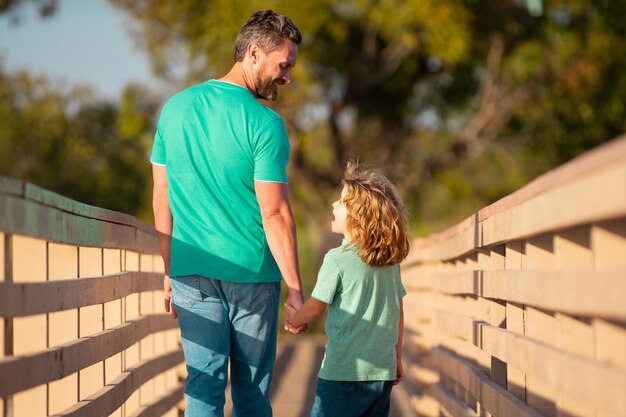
{"x": 267, "y": 29}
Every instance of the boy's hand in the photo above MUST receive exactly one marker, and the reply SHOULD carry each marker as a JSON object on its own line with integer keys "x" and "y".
{"x": 290, "y": 310}
{"x": 399, "y": 372}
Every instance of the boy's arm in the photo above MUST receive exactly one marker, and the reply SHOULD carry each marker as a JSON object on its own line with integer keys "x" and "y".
{"x": 399, "y": 371}
{"x": 310, "y": 310}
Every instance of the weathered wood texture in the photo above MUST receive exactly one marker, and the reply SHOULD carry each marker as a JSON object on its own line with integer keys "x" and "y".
{"x": 519, "y": 310}
{"x": 82, "y": 331}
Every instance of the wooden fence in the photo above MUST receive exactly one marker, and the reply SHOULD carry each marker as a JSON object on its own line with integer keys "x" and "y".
{"x": 520, "y": 310}
{"x": 82, "y": 330}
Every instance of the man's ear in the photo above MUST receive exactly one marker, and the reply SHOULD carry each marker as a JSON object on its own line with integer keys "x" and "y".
{"x": 254, "y": 52}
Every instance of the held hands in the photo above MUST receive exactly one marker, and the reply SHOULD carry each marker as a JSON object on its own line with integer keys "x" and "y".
{"x": 167, "y": 297}
{"x": 293, "y": 303}
{"x": 290, "y": 310}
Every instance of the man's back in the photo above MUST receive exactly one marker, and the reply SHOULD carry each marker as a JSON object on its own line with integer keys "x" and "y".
{"x": 216, "y": 139}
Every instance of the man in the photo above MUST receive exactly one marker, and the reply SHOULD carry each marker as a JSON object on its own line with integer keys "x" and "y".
{"x": 224, "y": 222}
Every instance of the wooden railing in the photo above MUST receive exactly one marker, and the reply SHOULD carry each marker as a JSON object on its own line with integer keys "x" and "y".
{"x": 82, "y": 330}
{"x": 520, "y": 310}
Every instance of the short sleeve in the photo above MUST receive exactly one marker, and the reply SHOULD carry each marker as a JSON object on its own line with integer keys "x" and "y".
{"x": 158, "y": 155}
{"x": 328, "y": 280}
{"x": 401, "y": 290}
{"x": 271, "y": 153}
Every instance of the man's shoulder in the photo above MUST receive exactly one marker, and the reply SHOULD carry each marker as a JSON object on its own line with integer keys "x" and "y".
{"x": 185, "y": 95}
{"x": 262, "y": 112}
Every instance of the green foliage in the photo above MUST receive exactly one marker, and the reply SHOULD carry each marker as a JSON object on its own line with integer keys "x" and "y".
{"x": 460, "y": 102}
{"x": 74, "y": 144}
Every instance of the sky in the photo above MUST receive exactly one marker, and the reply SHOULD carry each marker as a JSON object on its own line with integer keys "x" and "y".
{"x": 85, "y": 41}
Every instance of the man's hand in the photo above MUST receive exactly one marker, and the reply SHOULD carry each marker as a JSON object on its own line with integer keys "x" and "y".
{"x": 289, "y": 312}
{"x": 294, "y": 301}
{"x": 167, "y": 297}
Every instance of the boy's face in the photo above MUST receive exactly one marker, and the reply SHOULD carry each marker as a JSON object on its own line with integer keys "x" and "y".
{"x": 341, "y": 213}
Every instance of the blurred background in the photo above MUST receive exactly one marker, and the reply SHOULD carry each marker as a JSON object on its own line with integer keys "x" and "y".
{"x": 459, "y": 102}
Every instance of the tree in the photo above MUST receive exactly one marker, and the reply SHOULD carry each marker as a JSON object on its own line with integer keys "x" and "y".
{"x": 45, "y": 8}
{"x": 72, "y": 143}
{"x": 460, "y": 99}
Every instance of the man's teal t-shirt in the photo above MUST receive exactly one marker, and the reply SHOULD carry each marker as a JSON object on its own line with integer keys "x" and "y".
{"x": 215, "y": 140}
{"x": 363, "y": 316}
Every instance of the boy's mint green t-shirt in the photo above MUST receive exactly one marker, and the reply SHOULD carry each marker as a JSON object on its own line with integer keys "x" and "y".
{"x": 215, "y": 140}
{"x": 363, "y": 317}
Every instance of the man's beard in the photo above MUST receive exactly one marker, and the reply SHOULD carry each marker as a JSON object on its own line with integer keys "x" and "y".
{"x": 265, "y": 88}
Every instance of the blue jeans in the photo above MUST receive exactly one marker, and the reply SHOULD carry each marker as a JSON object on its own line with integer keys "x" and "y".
{"x": 220, "y": 320}
{"x": 352, "y": 398}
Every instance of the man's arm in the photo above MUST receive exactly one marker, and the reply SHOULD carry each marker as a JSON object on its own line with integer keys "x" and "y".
{"x": 280, "y": 230}
{"x": 163, "y": 224}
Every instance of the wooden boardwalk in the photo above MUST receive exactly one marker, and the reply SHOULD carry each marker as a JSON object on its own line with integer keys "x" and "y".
{"x": 295, "y": 374}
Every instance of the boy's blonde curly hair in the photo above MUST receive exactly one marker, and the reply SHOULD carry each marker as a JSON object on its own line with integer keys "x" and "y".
{"x": 377, "y": 219}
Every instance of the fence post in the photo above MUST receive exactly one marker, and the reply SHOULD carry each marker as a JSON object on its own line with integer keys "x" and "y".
{"x": 7, "y": 255}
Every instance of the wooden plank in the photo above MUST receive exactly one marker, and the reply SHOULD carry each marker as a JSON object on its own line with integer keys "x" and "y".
{"x": 23, "y": 372}
{"x": 572, "y": 248}
{"x": 458, "y": 282}
{"x": 300, "y": 370}
{"x": 608, "y": 241}
{"x": 425, "y": 405}
{"x": 54, "y": 200}
{"x": 24, "y": 299}
{"x": 465, "y": 240}
{"x": 32, "y": 402}
{"x": 562, "y": 207}
{"x": 62, "y": 393}
{"x": 516, "y": 379}
{"x": 576, "y": 377}
{"x": 539, "y": 252}
{"x": 147, "y": 241}
{"x": 548, "y": 203}
{"x": 162, "y": 404}
{"x": 561, "y": 291}
{"x": 468, "y": 306}
{"x": 460, "y": 326}
{"x": 551, "y": 290}
{"x": 492, "y": 397}
{"x": 541, "y": 326}
{"x": 610, "y": 341}
{"x": 416, "y": 279}
{"x": 448, "y": 401}
{"x": 610, "y": 153}
{"x": 112, "y": 396}
{"x": 30, "y": 218}
{"x": 10, "y": 185}
{"x": 450, "y": 243}
{"x": 513, "y": 258}
{"x": 27, "y": 259}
